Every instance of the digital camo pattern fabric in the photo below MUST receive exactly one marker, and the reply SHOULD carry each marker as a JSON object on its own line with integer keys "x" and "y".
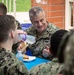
{"x": 69, "y": 55}
{"x": 42, "y": 40}
{"x": 10, "y": 65}
{"x": 49, "y": 68}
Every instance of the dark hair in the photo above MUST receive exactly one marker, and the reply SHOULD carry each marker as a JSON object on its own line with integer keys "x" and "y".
{"x": 3, "y": 9}
{"x": 7, "y": 23}
{"x": 18, "y": 25}
{"x": 55, "y": 41}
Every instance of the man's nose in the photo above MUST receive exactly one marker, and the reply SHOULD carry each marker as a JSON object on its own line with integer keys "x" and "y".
{"x": 40, "y": 23}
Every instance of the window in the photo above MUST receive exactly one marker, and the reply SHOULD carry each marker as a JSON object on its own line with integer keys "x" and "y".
{"x": 69, "y": 14}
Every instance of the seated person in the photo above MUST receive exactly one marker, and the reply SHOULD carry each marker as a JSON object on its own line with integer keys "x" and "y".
{"x": 68, "y": 55}
{"x": 53, "y": 67}
{"x": 9, "y": 64}
{"x": 3, "y": 9}
{"x": 42, "y": 30}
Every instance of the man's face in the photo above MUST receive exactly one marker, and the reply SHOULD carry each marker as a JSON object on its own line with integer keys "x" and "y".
{"x": 39, "y": 22}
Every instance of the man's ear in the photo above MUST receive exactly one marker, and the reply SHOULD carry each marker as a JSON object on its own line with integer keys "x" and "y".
{"x": 12, "y": 34}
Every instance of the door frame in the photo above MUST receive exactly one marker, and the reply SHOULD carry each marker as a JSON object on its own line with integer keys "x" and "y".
{"x": 68, "y": 14}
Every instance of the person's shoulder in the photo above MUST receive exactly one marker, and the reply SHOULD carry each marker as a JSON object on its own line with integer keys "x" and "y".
{"x": 51, "y": 25}
{"x": 45, "y": 68}
{"x": 11, "y": 63}
{"x": 41, "y": 69}
{"x": 52, "y": 28}
{"x": 31, "y": 30}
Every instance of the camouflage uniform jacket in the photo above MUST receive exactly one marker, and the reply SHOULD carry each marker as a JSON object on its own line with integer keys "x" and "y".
{"x": 49, "y": 68}
{"x": 10, "y": 65}
{"x": 42, "y": 40}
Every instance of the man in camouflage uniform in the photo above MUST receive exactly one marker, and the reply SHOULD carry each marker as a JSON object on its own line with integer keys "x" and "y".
{"x": 53, "y": 67}
{"x": 9, "y": 64}
{"x": 3, "y": 11}
{"x": 42, "y": 30}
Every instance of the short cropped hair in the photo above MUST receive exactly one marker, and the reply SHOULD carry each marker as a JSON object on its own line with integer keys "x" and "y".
{"x": 35, "y": 10}
{"x": 56, "y": 40}
{"x": 3, "y": 9}
{"x": 7, "y": 23}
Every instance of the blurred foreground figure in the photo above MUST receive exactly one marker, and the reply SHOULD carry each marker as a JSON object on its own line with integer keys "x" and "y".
{"x": 9, "y": 64}
{"x": 68, "y": 57}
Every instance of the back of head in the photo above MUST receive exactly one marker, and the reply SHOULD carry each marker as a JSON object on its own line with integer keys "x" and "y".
{"x": 56, "y": 40}
{"x": 3, "y": 9}
{"x": 7, "y": 23}
{"x": 35, "y": 10}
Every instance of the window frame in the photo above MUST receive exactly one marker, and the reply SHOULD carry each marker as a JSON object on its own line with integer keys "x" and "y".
{"x": 68, "y": 14}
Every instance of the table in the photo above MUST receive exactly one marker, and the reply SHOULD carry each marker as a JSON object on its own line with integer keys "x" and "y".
{"x": 35, "y": 62}
{"x": 32, "y": 63}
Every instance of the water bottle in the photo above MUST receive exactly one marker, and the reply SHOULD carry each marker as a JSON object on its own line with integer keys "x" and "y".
{"x": 19, "y": 55}
{"x": 28, "y": 38}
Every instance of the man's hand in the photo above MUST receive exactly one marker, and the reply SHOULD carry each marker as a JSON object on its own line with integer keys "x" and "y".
{"x": 46, "y": 52}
